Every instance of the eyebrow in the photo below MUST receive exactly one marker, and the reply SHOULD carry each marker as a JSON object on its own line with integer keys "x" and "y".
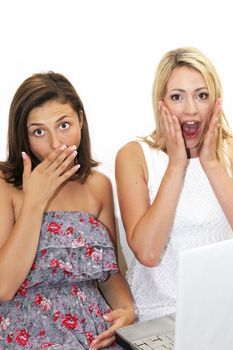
{"x": 41, "y": 124}
{"x": 196, "y": 90}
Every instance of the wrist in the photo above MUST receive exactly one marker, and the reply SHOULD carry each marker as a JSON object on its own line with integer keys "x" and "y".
{"x": 177, "y": 169}
{"x": 132, "y": 313}
{"x": 30, "y": 204}
{"x": 210, "y": 164}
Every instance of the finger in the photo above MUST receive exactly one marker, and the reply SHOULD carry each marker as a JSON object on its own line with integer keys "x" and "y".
{"x": 167, "y": 117}
{"x": 167, "y": 121}
{"x": 113, "y": 315}
{"x": 110, "y": 332}
{"x": 55, "y": 158}
{"x": 213, "y": 126}
{"x": 61, "y": 165}
{"x": 27, "y": 166}
{"x": 216, "y": 112}
{"x": 66, "y": 155}
{"x": 65, "y": 176}
{"x": 102, "y": 343}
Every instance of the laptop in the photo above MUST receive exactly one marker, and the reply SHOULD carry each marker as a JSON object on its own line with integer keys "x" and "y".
{"x": 204, "y": 311}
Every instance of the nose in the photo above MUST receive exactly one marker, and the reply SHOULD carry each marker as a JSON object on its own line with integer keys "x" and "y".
{"x": 190, "y": 106}
{"x": 55, "y": 140}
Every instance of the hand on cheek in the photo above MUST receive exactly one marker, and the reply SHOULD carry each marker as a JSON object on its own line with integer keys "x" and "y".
{"x": 209, "y": 147}
{"x": 174, "y": 139}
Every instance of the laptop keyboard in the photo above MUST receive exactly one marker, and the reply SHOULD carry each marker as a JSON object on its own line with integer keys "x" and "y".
{"x": 157, "y": 342}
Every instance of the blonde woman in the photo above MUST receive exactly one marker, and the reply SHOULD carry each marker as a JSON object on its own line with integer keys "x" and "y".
{"x": 178, "y": 180}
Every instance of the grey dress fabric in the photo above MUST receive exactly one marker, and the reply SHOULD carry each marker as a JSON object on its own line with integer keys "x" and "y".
{"x": 59, "y": 305}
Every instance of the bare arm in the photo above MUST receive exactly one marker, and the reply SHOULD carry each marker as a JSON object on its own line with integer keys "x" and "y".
{"x": 115, "y": 289}
{"x": 19, "y": 236}
{"x": 219, "y": 179}
{"x": 147, "y": 226}
{"x": 222, "y": 185}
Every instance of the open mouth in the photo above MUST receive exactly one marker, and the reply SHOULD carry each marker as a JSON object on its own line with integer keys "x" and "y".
{"x": 190, "y": 129}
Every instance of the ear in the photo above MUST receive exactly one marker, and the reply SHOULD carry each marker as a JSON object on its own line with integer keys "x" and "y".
{"x": 80, "y": 118}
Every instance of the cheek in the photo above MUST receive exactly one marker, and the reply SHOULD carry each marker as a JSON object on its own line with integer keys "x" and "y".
{"x": 174, "y": 108}
{"x": 206, "y": 115}
{"x": 36, "y": 149}
{"x": 75, "y": 137}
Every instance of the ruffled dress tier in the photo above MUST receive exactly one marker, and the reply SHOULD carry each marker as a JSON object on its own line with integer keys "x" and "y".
{"x": 59, "y": 305}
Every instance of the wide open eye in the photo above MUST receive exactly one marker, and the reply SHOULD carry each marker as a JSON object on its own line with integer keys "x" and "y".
{"x": 64, "y": 125}
{"x": 203, "y": 95}
{"x": 39, "y": 132}
{"x": 176, "y": 97}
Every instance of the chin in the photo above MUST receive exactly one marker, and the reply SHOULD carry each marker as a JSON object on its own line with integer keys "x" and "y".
{"x": 191, "y": 144}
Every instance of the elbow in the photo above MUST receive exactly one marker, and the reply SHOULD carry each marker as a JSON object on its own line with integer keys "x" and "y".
{"x": 148, "y": 259}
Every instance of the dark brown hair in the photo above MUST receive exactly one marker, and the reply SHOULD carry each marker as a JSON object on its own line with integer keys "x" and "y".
{"x": 34, "y": 92}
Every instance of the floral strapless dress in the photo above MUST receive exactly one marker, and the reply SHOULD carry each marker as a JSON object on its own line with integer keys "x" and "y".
{"x": 59, "y": 305}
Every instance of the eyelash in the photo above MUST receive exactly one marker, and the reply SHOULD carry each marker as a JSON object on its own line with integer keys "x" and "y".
{"x": 63, "y": 124}
{"x": 36, "y": 130}
{"x": 175, "y": 99}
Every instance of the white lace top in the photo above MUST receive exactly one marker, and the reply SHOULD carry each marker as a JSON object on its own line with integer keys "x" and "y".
{"x": 199, "y": 220}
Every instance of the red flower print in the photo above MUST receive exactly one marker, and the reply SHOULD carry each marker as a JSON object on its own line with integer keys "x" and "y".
{"x": 43, "y": 252}
{"x": 96, "y": 256}
{"x": 54, "y": 227}
{"x": 45, "y": 305}
{"x": 90, "y": 337}
{"x": 23, "y": 289}
{"x": 74, "y": 290}
{"x": 114, "y": 266}
{"x": 89, "y": 250}
{"x": 4, "y": 323}
{"x": 9, "y": 338}
{"x": 22, "y": 337}
{"x": 83, "y": 320}
{"x": 99, "y": 312}
{"x": 54, "y": 264}
{"x": 93, "y": 221}
{"x": 90, "y": 309}
{"x": 46, "y": 345}
{"x": 33, "y": 266}
{"x": 38, "y": 299}
{"x": 42, "y": 333}
{"x": 81, "y": 220}
{"x": 56, "y": 315}
{"x": 69, "y": 230}
{"x": 78, "y": 242}
{"x": 70, "y": 321}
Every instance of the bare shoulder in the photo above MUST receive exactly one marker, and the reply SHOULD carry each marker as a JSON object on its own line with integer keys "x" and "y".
{"x": 99, "y": 182}
{"x": 131, "y": 150}
{"x": 7, "y": 208}
{"x": 130, "y": 160}
{"x": 6, "y": 189}
{"x": 10, "y": 197}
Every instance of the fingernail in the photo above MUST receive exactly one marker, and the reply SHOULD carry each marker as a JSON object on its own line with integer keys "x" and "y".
{"x": 76, "y": 167}
{"x": 23, "y": 155}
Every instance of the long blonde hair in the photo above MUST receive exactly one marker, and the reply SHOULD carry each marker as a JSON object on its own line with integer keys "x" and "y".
{"x": 193, "y": 58}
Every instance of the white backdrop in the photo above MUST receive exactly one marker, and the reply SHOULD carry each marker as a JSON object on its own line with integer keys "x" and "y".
{"x": 109, "y": 50}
